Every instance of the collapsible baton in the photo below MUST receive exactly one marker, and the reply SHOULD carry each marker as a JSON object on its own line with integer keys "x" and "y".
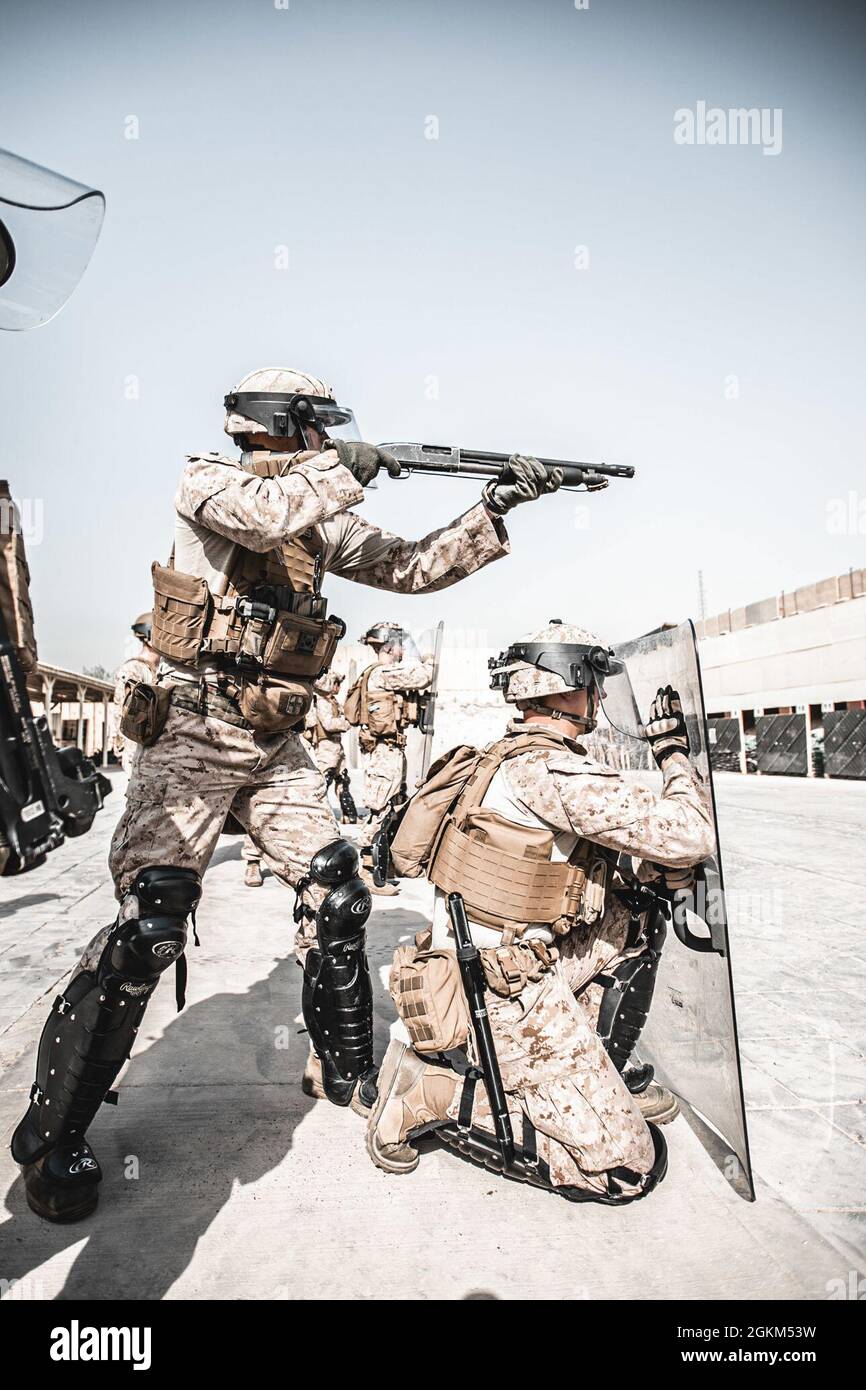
{"x": 475, "y": 988}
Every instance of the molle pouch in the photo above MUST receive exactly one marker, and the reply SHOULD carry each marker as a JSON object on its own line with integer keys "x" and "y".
{"x": 144, "y": 712}
{"x": 272, "y": 705}
{"x": 594, "y": 891}
{"x": 428, "y": 995}
{"x": 300, "y": 646}
{"x": 181, "y": 611}
{"x": 383, "y": 712}
{"x": 366, "y": 741}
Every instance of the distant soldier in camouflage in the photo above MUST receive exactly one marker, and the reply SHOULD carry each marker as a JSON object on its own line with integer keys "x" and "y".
{"x": 141, "y": 667}
{"x": 532, "y": 833}
{"x": 325, "y": 725}
{"x": 381, "y": 703}
{"x": 242, "y": 630}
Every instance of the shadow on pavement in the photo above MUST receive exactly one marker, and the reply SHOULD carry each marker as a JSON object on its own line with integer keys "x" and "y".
{"x": 212, "y": 1103}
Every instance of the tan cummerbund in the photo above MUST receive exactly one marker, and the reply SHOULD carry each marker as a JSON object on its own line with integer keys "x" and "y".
{"x": 501, "y": 888}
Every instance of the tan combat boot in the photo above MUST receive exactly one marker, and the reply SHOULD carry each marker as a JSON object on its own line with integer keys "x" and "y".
{"x": 412, "y": 1094}
{"x": 312, "y": 1085}
{"x": 387, "y": 890}
{"x": 657, "y": 1104}
{"x": 253, "y": 874}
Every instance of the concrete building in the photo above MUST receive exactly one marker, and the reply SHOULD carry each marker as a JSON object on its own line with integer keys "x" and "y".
{"x": 78, "y": 708}
{"x": 785, "y": 680}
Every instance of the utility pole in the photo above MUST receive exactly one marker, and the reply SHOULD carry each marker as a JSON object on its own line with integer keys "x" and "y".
{"x": 702, "y": 600}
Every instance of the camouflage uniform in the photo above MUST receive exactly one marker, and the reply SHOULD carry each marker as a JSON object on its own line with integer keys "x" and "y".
{"x": 542, "y": 1003}
{"x": 136, "y": 668}
{"x": 327, "y": 722}
{"x": 385, "y": 764}
{"x": 200, "y": 767}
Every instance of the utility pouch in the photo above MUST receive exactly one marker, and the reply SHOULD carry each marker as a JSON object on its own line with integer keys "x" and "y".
{"x": 384, "y": 708}
{"x": 366, "y": 741}
{"x": 508, "y": 969}
{"x": 144, "y": 712}
{"x": 272, "y": 705}
{"x": 428, "y": 994}
{"x": 299, "y": 646}
{"x": 181, "y": 611}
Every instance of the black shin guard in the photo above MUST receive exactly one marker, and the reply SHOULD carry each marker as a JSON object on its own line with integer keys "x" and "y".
{"x": 347, "y": 802}
{"x": 92, "y": 1025}
{"x": 337, "y": 996}
{"x": 626, "y": 1002}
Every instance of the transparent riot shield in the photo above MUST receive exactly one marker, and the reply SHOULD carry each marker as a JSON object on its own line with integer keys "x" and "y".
{"x": 419, "y": 736}
{"x": 49, "y": 226}
{"x": 691, "y": 1035}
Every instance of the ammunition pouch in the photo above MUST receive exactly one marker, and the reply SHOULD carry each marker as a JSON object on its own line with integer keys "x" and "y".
{"x": 428, "y": 995}
{"x": 144, "y": 712}
{"x": 272, "y": 630}
{"x": 182, "y": 607}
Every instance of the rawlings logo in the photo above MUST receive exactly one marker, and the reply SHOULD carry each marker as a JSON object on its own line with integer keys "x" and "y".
{"x": 361, "y": 905}
{"x": 82, "y": 1165}
{"x": 167, "y": 949}
{"x": 129, "y": 988}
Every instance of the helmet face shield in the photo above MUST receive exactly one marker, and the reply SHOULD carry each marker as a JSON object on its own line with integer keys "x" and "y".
{"x": 48, "y": 229}
{"x": 578, "y": 666}
{"x": 282, "y": 415}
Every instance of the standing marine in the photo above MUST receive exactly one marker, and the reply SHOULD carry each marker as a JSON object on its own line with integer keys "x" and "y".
{"x": 325, "y": 725}
{"x": 383, "y": 704}
{"x": 242, "y": 630}
{"x": 138, "y": 668}
{"x": 558, "y": 861}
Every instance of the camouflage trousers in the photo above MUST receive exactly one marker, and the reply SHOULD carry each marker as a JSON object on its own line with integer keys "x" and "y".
{"x": 556, "y": 1071}
{"x": 329, "y": 756}
{"x": 183, "y": 786}
{"x": 250, "y": 851}
{"x": 384, "y": 770}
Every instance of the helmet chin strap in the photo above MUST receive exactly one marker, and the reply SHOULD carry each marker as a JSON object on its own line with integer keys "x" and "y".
{"x": 581, "y": 722}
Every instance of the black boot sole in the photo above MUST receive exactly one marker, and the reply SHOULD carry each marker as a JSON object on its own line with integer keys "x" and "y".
{"x": 41, "y": 1201}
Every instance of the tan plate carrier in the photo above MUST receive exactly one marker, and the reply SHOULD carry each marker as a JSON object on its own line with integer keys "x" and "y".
{"x": 504, "y": 871}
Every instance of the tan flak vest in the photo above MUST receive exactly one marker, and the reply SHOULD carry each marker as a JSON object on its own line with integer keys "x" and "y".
{"x": 504, "y": 871}
{"x": 271, "y": 620}
{"x": 385, "y": 714}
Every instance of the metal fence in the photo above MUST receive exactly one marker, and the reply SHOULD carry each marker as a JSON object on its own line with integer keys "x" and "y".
{"x": 845, "y": 743}
{"x": 782, "y": 747}
{"x": 724, "y": 744}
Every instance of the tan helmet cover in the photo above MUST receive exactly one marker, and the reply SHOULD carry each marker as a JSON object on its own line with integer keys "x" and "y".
{"x": 286, "y": 379}
{"x": 526, "y": 682}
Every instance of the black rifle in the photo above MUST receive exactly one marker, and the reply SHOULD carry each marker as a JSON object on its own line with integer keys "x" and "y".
{"x": 442, "y": 460}
{"x": 475, "y": 988}
{"x": 45, "y": 793}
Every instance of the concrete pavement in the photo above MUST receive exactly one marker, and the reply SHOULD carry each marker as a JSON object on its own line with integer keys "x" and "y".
{"x": 222, "y": 1180}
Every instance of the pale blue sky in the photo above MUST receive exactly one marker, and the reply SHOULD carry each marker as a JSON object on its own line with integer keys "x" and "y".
{"x": 453, "y": 258}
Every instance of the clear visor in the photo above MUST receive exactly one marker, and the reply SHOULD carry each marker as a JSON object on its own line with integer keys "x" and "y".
{"x": 49, "y": 226}
{"x": 336, "y": 421}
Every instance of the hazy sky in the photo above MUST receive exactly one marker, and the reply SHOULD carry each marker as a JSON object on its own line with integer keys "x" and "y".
{"x": 433, "y": 282}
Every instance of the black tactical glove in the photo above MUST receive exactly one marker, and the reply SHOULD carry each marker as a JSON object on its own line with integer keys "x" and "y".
{"x": 521, "y": 480}
{"x": 666, "y": 727}
{"x": 364, "y": 460}
{"x": 674, "y": 880}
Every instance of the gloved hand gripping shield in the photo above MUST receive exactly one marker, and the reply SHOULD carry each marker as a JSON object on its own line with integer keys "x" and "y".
{"x": 690, "y": 1037}
{"x": 49, "y": 226}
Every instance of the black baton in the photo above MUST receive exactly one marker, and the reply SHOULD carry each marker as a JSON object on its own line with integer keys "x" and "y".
{"x": 475, "y": 988}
